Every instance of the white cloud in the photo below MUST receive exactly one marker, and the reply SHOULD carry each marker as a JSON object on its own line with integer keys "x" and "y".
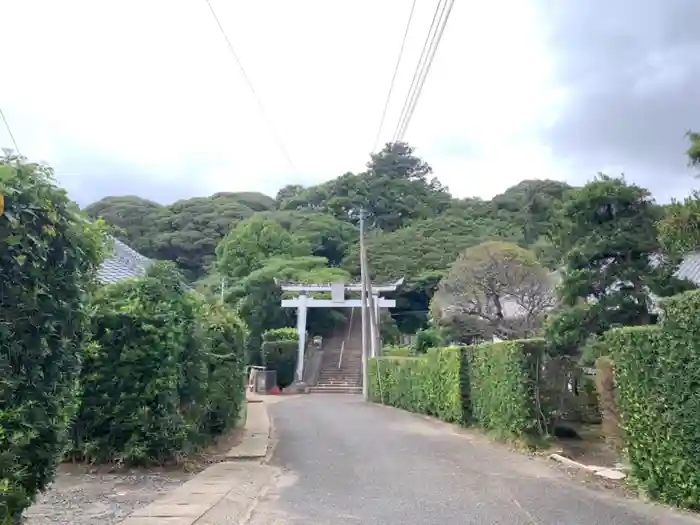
{"x": 151, "y": 85}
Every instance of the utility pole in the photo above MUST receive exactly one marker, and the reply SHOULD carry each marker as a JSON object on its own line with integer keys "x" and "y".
{"x": 375, "y": 337}
{"x": 364, "y": 307}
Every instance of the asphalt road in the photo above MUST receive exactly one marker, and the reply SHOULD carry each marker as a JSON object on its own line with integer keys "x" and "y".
{"x": 345, "y": 462}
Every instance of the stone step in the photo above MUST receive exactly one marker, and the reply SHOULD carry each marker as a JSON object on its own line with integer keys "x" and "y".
{"x": 335, "y": 390}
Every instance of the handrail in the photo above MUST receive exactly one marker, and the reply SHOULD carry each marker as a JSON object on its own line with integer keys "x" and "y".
{"x": 340, "y": 361}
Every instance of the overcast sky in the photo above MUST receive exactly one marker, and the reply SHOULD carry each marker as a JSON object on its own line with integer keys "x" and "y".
{"x": 143, "y": 97}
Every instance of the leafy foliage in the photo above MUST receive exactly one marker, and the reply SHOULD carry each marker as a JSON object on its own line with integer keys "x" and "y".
{"x": 693, "y": 151}
{"x": 679, "y": 229}
{"x": 48, "y": 260}
{"x": 279, "y": 352}
{"x": 394, "y": 190}
{"x": 607, "y": 232}
{"x": 429, "y": 384}
{"x": 164, "y": 375}
{"x": 252, "y": 242}
{"x": 258, "y": 299}
{"x": 657, "y": 370}
{"x": 505, "y": 384}
{"x": 186, "y": 232}
{"x": 325, "y": 235}
{"x": 495, "y": 385}
{"x": 501, "y": 286}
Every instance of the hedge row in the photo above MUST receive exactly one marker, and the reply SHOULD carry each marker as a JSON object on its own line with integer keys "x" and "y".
{"x": 280, "y": 349}
{"x": 657, "y": 377}
{"x": 495, "y": 385}
{"x": 48, "y": 262}
{"x": 164, "y": 374}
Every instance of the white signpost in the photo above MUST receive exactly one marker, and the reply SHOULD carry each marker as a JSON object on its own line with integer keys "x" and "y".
{"x": 302, "y": 302}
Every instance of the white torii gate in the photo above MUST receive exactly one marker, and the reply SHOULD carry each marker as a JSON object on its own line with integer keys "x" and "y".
{"x": 302, "y": 302}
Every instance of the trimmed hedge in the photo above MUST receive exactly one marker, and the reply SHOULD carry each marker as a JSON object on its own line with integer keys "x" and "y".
{"x": 279, "y": 352}
{"x": 49, "y": 255}
{"x": 428, "y": 384}
{"x": 506, "y": 387}
{"x": 657, "y": 375}
{"x": 495, "y": 385}
{"x": 164, "y": 375}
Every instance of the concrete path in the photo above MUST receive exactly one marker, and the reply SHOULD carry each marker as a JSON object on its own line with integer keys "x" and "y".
{"x": 339, "y": 461}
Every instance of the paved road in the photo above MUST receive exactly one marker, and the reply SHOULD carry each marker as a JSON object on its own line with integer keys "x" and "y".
{"x": 345, "y": 462}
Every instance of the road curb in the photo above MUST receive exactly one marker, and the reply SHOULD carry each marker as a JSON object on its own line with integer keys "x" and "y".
{"x": 256, "y": 434}
{"x": 603, "y": 472}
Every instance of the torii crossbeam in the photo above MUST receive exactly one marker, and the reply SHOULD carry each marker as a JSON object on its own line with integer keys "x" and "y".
{"x": 302, "y": 302}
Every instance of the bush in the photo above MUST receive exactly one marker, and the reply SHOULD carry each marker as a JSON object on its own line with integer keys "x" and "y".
{"x": 48, "y": 261}
{"x": 657, "y": 372}
{"x": 496, "y": 385}
{"x": 428, "y": 338}
{"x": 164, "y": 375}
{"x": 279, "y": 350}
{"x": 506, "y": 388}
{"x": 130, "y": 404}
{"x": 398, "y": 351}
{"x": 223, "y": 336}
{"x": 430, "y": 384}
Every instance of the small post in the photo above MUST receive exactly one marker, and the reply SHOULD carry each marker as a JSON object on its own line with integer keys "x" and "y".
{"x": 301, "y": 328}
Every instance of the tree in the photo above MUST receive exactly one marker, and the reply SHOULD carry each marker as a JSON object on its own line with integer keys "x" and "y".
{"x": 258, "y": 298}
{"x": 287, "y": 192}
{"x": 501, "y": 286}
{"x": 253, "y": 241}
{"x": 679, "y": 229}
{"x": 693, "y": 151}
{"x": 606, "y": 231}
{"x": 326, "y": 235}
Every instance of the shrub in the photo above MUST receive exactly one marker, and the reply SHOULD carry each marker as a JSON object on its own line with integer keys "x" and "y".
{"x": 130, "y": 404}
{"x": 657, "y": 372}
{"x": 398, "y": 351}
{"x": 506, "y": 388}
{"x": 429, "y": 384}
{"x": 164, "y": 374}
{"x": 48, "y": 260}
{"x": 279, "y": 350}
{"x": 428, "y": 338}
{"x": 224, "y": 337}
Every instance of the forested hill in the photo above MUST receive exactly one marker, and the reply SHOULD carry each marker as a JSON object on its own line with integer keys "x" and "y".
{"x": 416, "y": 228}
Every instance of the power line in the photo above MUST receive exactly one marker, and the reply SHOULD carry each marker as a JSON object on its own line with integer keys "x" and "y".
{"x": 393, "y": 77}
{"x": 419, "y": 68}
{"x": 422, "y": 73}
{"x": 261, "y": 106}
{"x": 9, "y": 132}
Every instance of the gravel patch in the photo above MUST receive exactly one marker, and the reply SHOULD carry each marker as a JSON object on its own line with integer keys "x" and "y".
{"x": 81, "y": 495}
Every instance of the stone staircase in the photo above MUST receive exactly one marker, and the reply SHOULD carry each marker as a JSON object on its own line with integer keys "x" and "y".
{"x": 346, "y": 379}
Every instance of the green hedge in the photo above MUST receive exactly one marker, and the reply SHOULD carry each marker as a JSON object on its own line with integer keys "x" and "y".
{"x": 164, "y": 375}
{"x": 495, "y": 385}
{"x": 657, "y": 375}
{"x": 49, "y": 256}
{"x": 280, "y": 352}
{"x": 429, "y": 384}
{"x": 506, "y": 393}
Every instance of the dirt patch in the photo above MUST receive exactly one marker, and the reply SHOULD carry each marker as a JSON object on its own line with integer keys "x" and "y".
{"x": 105, "y": 495}
{"x": 588, "y": 447}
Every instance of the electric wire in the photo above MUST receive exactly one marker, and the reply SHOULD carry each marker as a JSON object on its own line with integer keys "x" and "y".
{"x": 248, "y": 81}
{"x": 435, "y": 43}
{"x": 393, "y": 77}
{"x": 9, "y": 132}
{"x": 419, "y": 67}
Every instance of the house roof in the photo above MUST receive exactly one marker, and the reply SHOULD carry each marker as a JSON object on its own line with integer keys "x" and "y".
{"x": 123, "y": 263}
{"x": 690, "y": 268}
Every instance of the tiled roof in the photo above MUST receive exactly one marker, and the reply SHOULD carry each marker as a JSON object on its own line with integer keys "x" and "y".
{"x": 123, "y": 263}
{"x": 690, "y": 268}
